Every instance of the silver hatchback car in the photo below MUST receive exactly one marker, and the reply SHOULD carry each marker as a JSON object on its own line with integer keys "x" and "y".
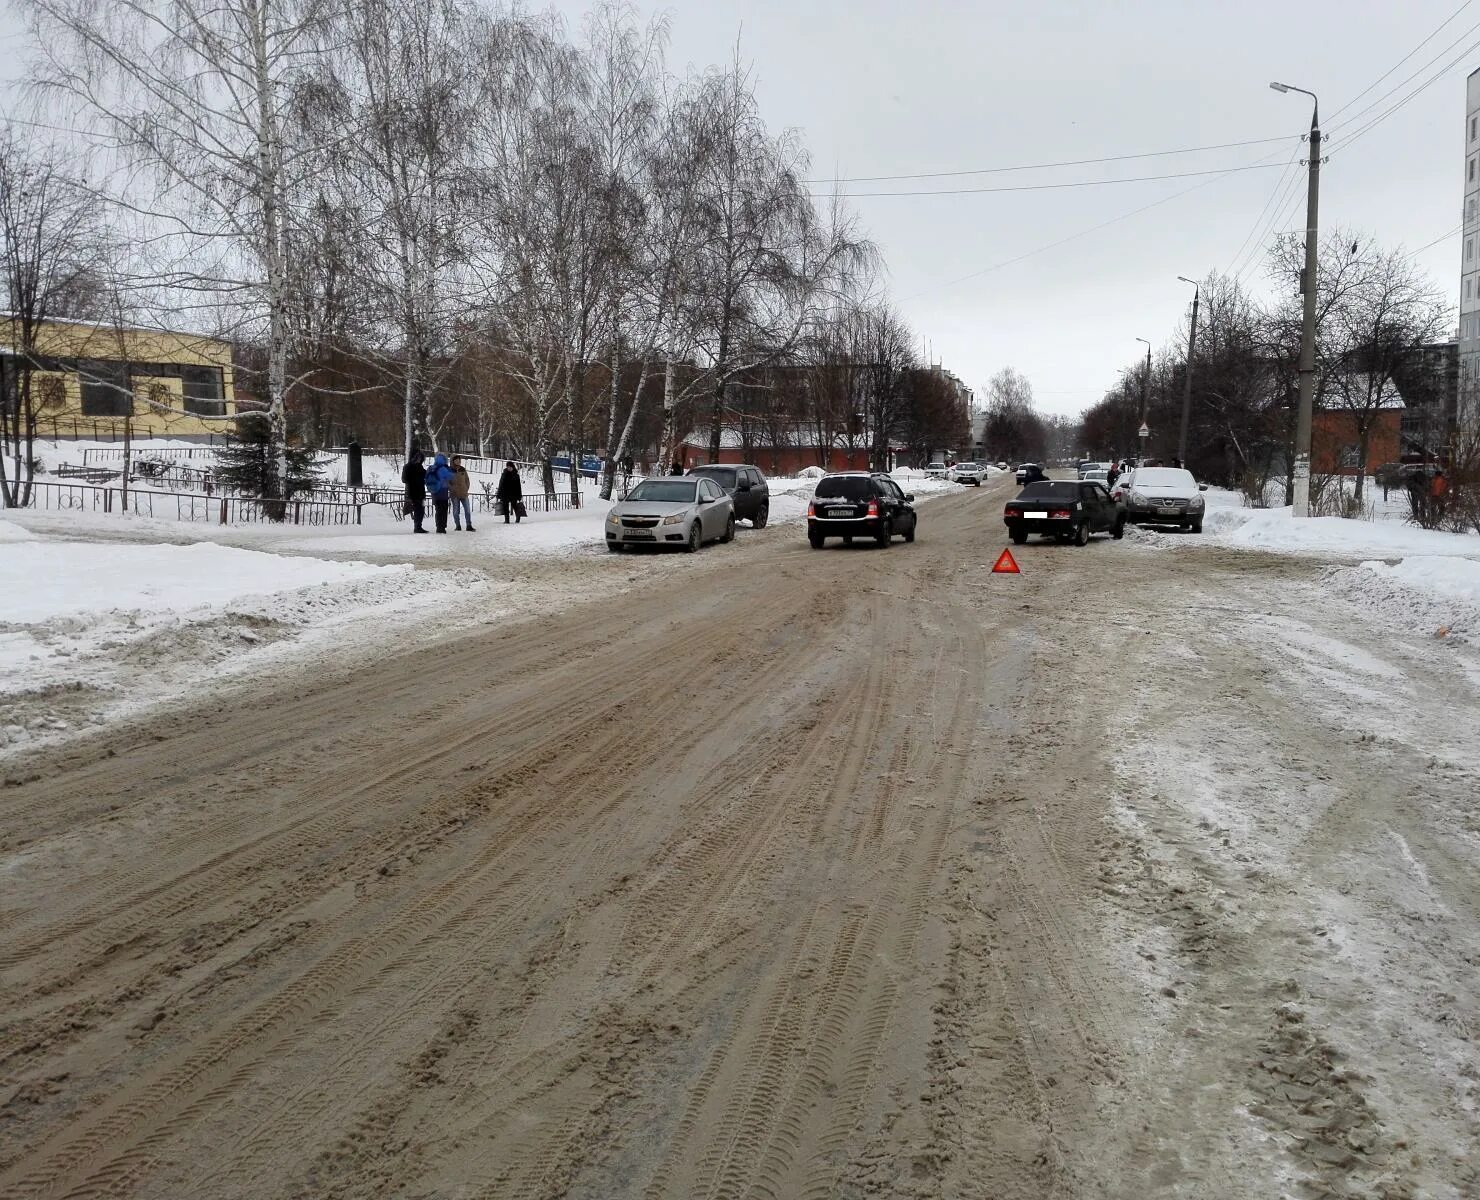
{"x": 681, "y": 512}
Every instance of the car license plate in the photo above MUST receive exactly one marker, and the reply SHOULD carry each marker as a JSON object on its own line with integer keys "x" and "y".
{"x": 638, "y": 535}
{"x": 840, "y": 512}
{"x": 1035, "y": 516}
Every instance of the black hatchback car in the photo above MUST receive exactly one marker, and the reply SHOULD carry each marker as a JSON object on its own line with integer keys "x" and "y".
{"x": 1064, "y": 510}
{"x": 746, "y": 486}
{"x": 860, "y": 504}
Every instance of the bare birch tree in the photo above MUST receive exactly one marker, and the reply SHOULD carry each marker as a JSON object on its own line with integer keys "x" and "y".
{"x": 201, "y": 93}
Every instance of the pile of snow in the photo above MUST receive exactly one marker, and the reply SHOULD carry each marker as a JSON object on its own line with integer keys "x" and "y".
{"x": 1276, "y": 529}
{"x": 1437, "y": 593}
{"x": 40, "y": 580}
{"x": 11, "y": 532}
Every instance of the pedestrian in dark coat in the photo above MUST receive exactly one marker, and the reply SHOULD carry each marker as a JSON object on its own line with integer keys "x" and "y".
{"x": 510, "y": 493}
{"x": 439, "y": 486}
{"x": 414, "y": 479}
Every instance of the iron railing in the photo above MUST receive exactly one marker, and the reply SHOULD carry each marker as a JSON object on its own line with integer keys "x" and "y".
{"x": 187, "y": 506}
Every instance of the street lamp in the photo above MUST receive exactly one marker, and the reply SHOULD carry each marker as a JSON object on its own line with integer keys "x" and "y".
{"x": 1144, "y": 432}
{"x": 1187, "y": 374}
{"x": 1301, "y": 499}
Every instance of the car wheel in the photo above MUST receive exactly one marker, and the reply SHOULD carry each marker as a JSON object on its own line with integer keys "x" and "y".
{"x": 762, "y": 515}
{"x": 1197, "y": 526}
{"x": 696, "y": 538}
{"x": 1081, "y": 534}
{"x": 1119, "y": 531}
{"x": 910, "y": 535}
{"x": 885, "y": 535}
{"x": 816, "y": 539}
{"x": 614, "y": 547}
{"x": 729, "y": 531}
{"x": 1019, "y": 537}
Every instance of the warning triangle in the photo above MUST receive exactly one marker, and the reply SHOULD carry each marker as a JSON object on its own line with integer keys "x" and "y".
{"x": 1005, "y": 564}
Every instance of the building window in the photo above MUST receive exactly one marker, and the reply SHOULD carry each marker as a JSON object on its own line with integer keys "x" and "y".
{"x": 105, "y": 388}
{"x": 1467, "y": 288}
{"x": 1473, "y": 121}
{"x": 1470, "y": 209}
{"x": 1469, "y": 249}
{"x": 204, "y": 393}
{"x": 1472, "y": 170}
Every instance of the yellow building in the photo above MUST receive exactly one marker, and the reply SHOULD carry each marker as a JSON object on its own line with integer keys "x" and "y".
{"x": 90, "y": 380}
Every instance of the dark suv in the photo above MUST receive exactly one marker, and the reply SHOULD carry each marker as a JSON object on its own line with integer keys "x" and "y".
{"x": 860, "y": 504}
{"x": 746, "y": 486}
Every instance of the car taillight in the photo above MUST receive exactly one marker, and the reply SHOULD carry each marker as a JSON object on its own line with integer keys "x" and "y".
{"x": 873, "y": 508}
{"x": 1061, "y": 513}
{"x": 1007, "y": 510}
{"x": 811, "y": 510}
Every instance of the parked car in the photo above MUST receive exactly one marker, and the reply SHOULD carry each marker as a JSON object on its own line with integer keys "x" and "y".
{"x": 860, "y": 504}
{"x": 673, "y": 512}
{"x": 937, "y": 469}
{"x": 972, "y": 473}
{"x": 1065, "y": 510}
{"x": 747, "y": 488}
{"x": 1164, "y": 496}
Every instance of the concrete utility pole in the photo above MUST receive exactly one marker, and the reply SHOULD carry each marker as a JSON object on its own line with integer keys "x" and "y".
{"x": 1301, "y": 498}
{"x": 1187, "y": 375}
{"x": 1145, "y": 391}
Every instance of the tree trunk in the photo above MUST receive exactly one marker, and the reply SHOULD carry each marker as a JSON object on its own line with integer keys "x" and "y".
{"x": 275, "y": 485}
{"x": 1364, "y": 448}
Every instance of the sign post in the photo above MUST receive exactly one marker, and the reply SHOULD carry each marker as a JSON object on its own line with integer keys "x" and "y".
{"x": 1143, "y": 433}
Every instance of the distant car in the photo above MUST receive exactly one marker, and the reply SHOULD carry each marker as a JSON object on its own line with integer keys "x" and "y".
{"x": 681, "y": 513}
{"x": 1096, "y": 476}
{"x": 936, "y": 470}
{"x": 1163, "y": 496}
{"x": 1085, "y": 468}
{"x": 860, "y": 504}
{"x": 1002, "y": 466}
{"x": 746, "y": 487}
{"x": 1028, "y": 472}
{"x": 972, "y": 473}
{"x": 1064, "y": 510}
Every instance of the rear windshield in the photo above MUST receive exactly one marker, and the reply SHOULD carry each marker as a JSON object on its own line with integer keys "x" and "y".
{"x": 1165, "y": 477}
{"x": 849, "y": 487}
{"x": 724, "y": 476}
{"x": 664, "y": 491}
{"x": 1050, "y": 490}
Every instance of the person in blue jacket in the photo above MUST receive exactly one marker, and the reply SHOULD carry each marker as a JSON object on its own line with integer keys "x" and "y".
{"x": 439, "y": 487}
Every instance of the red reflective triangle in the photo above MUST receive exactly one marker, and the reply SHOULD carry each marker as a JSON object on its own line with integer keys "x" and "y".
{"x": 1005, "y": 564}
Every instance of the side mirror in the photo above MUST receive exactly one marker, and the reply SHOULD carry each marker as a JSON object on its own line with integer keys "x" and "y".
{"x": 745, "y": 487}
{"x": 910, "y": 497}
{"x": 1202, "y": 487}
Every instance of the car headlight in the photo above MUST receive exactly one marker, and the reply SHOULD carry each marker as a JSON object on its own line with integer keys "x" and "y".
{"x": 612, "y": 518}
{"x": 1197, "y": 502}
{"x": 1137, "y": 498}
{"x": 675, "y": 518}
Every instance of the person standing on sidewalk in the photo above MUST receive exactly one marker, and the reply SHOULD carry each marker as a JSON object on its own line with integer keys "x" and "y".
{"x": 510, "y": 493}
{"x": 439, "y": 483}
{"x": 460, "y": 486}
{"x": 414, "y": 480}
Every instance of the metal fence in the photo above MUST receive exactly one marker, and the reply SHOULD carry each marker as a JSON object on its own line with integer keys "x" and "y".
{"x": 185, "y": 506}
{"x": 94, "y": 455}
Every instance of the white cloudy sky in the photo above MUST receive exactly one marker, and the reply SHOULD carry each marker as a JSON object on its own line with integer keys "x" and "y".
{"x": 884, "y": 87}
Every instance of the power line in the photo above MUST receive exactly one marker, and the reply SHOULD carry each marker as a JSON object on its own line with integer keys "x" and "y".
{"x": 1079, "y": 162}
{"x": 1135, "y": 212}
{"x": 1447, "y": 20}
{"x": 1418, "y": 91}
{"x": 1286, "y": 208}
{"x": 1279, "y": 186}
{"x": 1077, "y": 183}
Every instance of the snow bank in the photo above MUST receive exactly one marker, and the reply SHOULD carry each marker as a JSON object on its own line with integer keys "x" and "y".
{"x": 40, "y": 580}
{"x": 1456, "y": 577}
{"x": 1276, "y": 529}
{"x": 1437, "y": 594}
{"x": 11, "y": 532}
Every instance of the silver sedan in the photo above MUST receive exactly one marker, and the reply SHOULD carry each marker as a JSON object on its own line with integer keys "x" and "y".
{"x": 681, "y": 512}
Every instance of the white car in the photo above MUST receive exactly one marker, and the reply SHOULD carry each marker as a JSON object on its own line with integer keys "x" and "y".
{"x": 1085, "y": 470}
{"x": 971, "y": 473}
{"x": 1096, "y": 476}
{"x": 1162, "y": 496}
{"x": 936, "y": 470}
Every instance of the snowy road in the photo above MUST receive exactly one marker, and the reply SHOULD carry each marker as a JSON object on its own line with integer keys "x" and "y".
{"x": 786, "y": 874}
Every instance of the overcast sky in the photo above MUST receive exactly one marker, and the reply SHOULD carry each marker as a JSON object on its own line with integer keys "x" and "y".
{"x": 880, "y": 87}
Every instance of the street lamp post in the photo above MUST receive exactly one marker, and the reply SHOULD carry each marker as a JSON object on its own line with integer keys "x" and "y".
{"x": 1187, "y": 374}
{"x": 1144, "y": 431}
{"x": 1301, "y": 499}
